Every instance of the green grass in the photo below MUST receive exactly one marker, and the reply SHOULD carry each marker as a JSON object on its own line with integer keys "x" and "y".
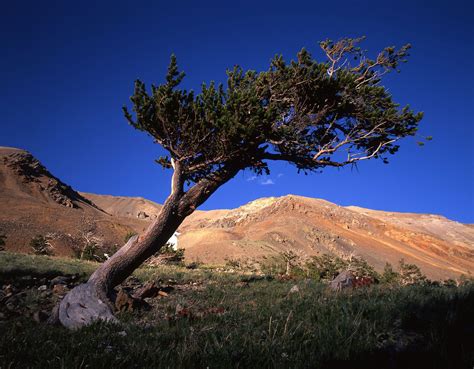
{"x": 260, "y": 325}
{"x": 16, "y": 265}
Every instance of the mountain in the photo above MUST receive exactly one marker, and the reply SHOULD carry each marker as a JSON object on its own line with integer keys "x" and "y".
{"x": 440, "y": 247}
{"x": 33, "y": 201}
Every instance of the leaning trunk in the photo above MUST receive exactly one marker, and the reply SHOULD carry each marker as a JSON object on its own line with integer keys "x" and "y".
{"x": 92, "y": 300}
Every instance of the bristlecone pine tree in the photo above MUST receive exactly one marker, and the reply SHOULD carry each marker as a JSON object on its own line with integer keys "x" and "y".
{"x": 308, "y": 113}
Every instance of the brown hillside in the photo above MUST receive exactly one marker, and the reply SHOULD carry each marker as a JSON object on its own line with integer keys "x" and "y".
{"x": 442, "y": 248}
{"x": 33, "y": 201}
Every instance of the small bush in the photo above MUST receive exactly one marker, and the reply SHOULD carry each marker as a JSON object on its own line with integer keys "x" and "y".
{"x": 233, "y": 264}
{"x": 411, "y": 274}
{"x": 362, "y": 268}
{"x": 89, "y": 252}
{"x": 92, "y": 248}
{"x": 41, "y": 245}
{"x": 167, "y": 255}
{"x": 325, "y": 267}
{"x": 389, "y": 276}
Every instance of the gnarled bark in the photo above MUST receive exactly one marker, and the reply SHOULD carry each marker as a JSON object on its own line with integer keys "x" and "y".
{"x": 92, "y": 301}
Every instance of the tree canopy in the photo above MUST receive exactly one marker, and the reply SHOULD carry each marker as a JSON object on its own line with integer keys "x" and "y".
{"x": 310, "y": 113}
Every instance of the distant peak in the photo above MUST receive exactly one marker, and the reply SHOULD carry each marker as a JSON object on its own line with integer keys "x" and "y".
{"x": 5, "y": 150}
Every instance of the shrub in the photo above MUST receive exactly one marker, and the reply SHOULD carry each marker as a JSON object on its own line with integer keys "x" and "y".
{"x": 167, "y": 255}
{"x": 290, "y": 259}
{"x": 450, "y": 283}
{"x": 411, "y": 274}
{"x": 41, "y": 245}
{"x": 274, "y": 265}
{"x": 92, "y": 248}
{"x": 326, "y": 266}
{"x": 389, "y": 276}
{"x": 362, "y": 268}
{"x": 89, "y": 252}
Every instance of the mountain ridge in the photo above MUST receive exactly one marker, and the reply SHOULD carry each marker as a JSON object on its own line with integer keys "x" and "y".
{"x": 33, "y": 201}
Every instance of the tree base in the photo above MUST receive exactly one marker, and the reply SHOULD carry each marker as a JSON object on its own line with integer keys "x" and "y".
{"x": 82, "y": 306}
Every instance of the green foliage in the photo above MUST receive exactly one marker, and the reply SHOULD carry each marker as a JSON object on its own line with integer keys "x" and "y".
{"x": 41, "y": 245}
{"x": 389, "y": 276}
{"x": 168, "y": 255}
{"x": 256, "y": 326}
{"x": 326, "y": 267}
{"x": 89, "y": 252}
{"x": 450, "y": 283}
{"x": 92, "y": 250}
{"x": 361, "y": 268}
{"x": 304, "y": 112}
{"x": 291, "y": 261}
{"x": 411, "y": 274}
{"x": 234, "y": 264}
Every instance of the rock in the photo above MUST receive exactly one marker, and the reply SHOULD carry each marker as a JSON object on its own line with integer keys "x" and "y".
{"x": 60, "y": 289}
{"x": 81, "y": 307}
{"x": 344, "y": 280}
{"x": 42, "y": 288}
{"x": 142, "y": 215}
{"x": 162, "y": 293}
{"x": 294, "y": 289}
{"x": 40, "y": 316}
{"x": 59, "y": 280}
{"x": 122, "y": 333}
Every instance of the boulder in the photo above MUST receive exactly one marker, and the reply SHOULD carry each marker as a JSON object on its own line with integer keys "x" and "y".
{"x": 344, "y": 280}
{"x": 142, "y": 215}
{"x": 60, "y": 279}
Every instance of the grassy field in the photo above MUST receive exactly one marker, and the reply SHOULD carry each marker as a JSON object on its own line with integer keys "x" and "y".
{"x": 229, "y": 320}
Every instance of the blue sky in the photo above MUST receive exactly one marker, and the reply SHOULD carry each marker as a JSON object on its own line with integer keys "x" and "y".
{"x": 68, "y": 67}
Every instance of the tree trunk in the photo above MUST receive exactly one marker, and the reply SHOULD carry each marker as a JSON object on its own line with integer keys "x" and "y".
{"x": 92, "y": 300}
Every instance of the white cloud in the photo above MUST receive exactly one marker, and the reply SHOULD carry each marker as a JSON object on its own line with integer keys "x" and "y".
{"x": 280, "y": 175}
{"x": 267, "y": 182}
{"x": 253, "y": 178}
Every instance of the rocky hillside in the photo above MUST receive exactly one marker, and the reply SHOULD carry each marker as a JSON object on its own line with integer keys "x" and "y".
{"x": 127, "y": 207}
{"x": 33, "y": 201}
{"x": 441, "y": 247}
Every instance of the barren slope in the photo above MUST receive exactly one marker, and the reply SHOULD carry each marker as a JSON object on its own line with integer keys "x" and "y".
{"x": 442, "y": 248}
{"x": 33, "y": 201}
{"x": 127, "y": 207}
